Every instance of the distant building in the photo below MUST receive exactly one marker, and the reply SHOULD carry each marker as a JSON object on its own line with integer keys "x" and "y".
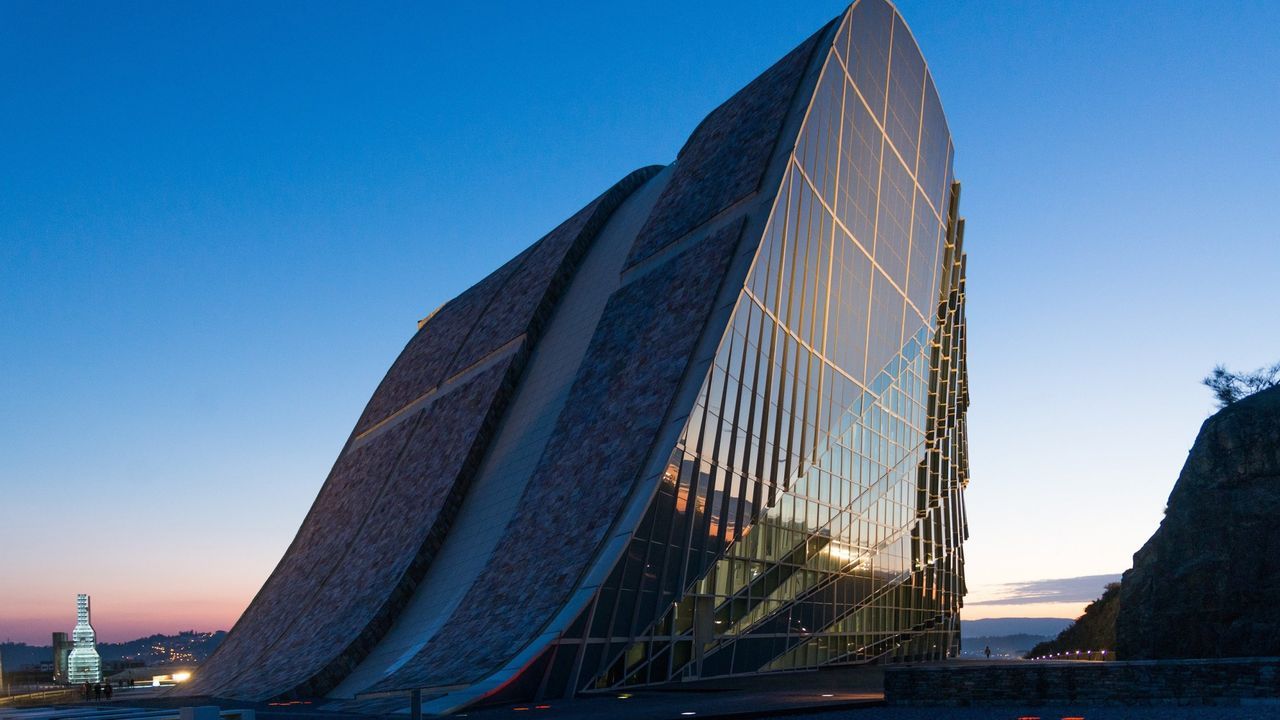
{"x": 83, "y": 663}
{"x": 61, "y": 651}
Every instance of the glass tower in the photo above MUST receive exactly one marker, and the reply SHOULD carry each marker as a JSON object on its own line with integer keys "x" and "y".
{"x": 83, "y": 663}
{"x": 61, "y": 652}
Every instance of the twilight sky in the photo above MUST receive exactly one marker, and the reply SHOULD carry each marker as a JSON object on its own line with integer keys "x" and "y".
{"x": 219, "y": 224}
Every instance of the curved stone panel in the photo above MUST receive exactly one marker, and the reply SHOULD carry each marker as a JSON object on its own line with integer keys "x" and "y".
{"x": 624, "y": 387}
{"x": 327, "y": 532}
{"x": 726, "y": 157}
{"x": 364, "y": 546}
{"x": 512, "y": 300}
{"x": 428, "y": 358}
{"x": 352, "y": 606}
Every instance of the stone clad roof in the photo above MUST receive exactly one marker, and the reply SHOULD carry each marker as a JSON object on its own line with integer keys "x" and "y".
{"x": 327, "y": 531}
{"x": 633, "y": 366}
{"x": 510, "y": 301}
{"x": 403, "y": 525}
{"x": 390, "y": 498}
{"x": 726, "y": 157}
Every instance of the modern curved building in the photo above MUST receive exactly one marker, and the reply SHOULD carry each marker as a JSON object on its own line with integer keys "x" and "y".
{"x": 712, "y": 424}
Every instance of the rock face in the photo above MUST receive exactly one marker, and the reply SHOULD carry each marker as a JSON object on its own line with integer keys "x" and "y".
{"x": 1207, "y": 583}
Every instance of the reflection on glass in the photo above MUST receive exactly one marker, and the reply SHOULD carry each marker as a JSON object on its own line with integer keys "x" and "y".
{"x": 812, "y": 510}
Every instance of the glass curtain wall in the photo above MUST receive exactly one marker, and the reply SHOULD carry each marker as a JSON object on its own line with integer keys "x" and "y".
{"x": 812, "y": 511}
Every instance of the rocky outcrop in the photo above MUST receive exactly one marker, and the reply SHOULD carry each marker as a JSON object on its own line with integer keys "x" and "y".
{"x": 1207, "y": 583}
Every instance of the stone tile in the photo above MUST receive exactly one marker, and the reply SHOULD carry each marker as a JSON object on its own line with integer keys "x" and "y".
{"x": 511, "y": 300}
{"x": 726, "y": 157}
{"x": 328, "y": 529}
{"x": 396, "y": 539}
{"x": 630, "y": 376}
{"x": 387, "y": 504}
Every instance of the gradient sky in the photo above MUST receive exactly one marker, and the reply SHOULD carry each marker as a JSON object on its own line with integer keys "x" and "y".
{"x": 219, "y": 224}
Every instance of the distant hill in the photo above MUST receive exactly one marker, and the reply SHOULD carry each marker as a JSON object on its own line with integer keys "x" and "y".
{"x": 1002, "y": 646}
{"x": 183, "y": 648}
{"x": 18, "y": 655}
{"x": 1095, "y": 630}
{"x": 1000, "y": 627}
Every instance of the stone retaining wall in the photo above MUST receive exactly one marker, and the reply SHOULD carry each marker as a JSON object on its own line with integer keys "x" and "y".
{"x": 1146, "y": 682}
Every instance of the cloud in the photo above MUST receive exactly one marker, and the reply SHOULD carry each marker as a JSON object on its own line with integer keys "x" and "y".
{"x": 1076, "y": 589}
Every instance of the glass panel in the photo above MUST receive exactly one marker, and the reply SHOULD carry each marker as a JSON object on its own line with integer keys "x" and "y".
{"x": 934, "y": 142}
{"x": 926, "y": 234}
{"x": 893, "y": 222}
{"x": 906, "y": 87}
{"x": 871, "y": 21}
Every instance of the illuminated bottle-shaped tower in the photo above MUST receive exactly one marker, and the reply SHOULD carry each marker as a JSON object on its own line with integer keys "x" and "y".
{"x": 83, "y": 664}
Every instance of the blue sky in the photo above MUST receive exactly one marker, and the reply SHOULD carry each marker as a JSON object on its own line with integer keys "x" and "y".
{"x": 219, "y": 223}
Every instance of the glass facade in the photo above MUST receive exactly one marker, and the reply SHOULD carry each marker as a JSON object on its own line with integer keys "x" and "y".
{"x": 812, "y": 512}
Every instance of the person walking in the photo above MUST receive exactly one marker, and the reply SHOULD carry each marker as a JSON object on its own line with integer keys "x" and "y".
{"x": 987, "y": 652}
{"x": 97, "y": 691}
{"x": 106, "y": 690}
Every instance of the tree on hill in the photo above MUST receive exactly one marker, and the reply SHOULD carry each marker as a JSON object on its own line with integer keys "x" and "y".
{"x": 1094, "y": 631}
{"x": 1229, "y": 387}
